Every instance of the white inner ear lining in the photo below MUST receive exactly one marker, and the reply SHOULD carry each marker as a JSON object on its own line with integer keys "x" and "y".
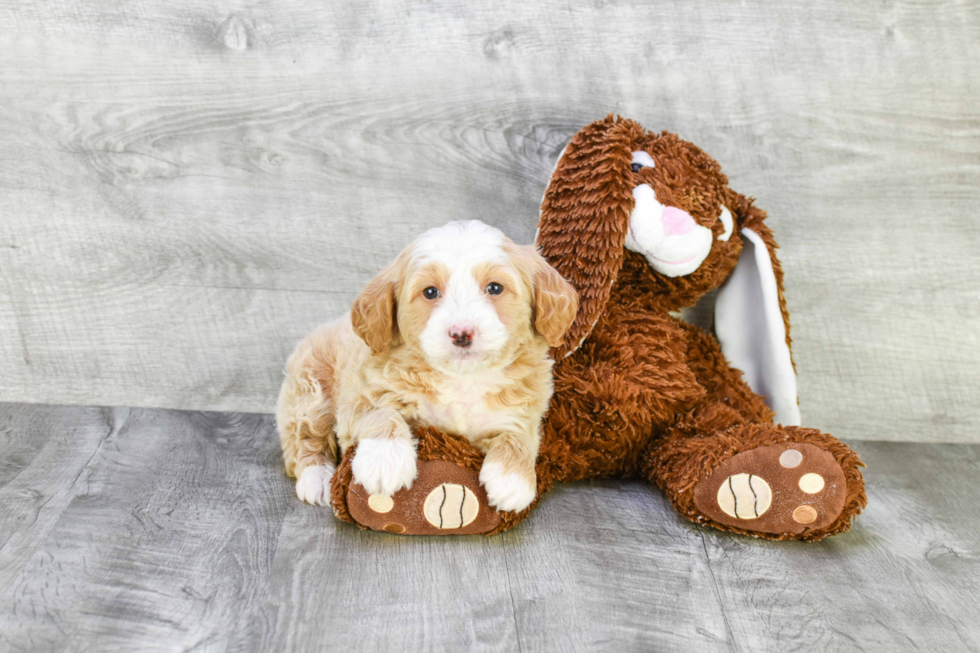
{"x": 727, "y": 222}
{"x": 750, "y": 328}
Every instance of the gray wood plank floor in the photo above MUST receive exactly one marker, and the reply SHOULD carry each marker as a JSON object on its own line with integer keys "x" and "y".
{"x": 124, "y": 530}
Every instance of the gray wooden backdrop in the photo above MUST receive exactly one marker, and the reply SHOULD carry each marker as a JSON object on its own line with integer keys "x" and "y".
{"x": 187, "y": 187}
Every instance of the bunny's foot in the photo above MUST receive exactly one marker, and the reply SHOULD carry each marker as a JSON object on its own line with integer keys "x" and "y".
{"x": 779, "y": 488}
{"x": 446, "y": 498}
{"x": 774, "y": 482}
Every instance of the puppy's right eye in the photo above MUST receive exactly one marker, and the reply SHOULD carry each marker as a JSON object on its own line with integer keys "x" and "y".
{"x": 431, "y": 292}
{"x": 636, "y": 166}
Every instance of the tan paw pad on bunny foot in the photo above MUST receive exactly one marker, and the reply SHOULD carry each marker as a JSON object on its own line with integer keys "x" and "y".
{"x": 445, "y": 499}
{"x": 778, "y": 488}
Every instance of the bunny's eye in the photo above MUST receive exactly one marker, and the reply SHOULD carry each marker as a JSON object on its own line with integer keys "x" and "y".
{"x": 642, "y": 160}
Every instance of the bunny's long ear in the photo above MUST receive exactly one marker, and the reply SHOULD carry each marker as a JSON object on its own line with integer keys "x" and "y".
{"x": 751, "y": 320}
{"x": 585, "y": 217}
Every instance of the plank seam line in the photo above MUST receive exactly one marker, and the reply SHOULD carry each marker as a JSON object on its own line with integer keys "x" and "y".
{"x": 714, "y": 582}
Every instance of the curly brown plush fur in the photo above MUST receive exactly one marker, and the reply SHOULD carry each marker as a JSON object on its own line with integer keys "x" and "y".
{"x": 638, "y": 392}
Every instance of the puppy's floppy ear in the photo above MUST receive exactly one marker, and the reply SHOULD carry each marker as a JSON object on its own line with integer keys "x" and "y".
{"x": 555, "y": 302}
{"x": 585, "y": 217}
{"x": 751, "y": 319}
{"x": 373, "y": 312}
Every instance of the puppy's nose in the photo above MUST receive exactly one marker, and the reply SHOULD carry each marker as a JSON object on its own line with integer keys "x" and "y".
{"x": 462, "y": 336}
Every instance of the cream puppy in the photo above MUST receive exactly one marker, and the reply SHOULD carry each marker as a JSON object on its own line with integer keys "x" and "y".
{"x": 455, "y": 334}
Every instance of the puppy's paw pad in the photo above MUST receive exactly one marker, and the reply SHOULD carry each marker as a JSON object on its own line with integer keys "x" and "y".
{"x": 506, "y": 491}
{"x": 313, "y": 485}
{"x": 384, "y": 466}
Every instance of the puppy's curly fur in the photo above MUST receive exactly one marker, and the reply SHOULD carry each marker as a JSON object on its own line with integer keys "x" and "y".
{"x": 455, "y": 333}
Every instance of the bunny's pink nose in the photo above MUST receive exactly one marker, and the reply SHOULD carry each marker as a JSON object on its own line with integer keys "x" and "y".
{"x": 676, "y": 222}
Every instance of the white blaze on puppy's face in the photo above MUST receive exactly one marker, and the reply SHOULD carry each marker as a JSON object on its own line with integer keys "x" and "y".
{"x": 673, "y": 243}
{"x": 446, "y": 307}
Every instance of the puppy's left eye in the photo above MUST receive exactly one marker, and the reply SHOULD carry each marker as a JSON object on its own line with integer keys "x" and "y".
{"x": 431, "y": 292}
{"x": 494, "y": 288}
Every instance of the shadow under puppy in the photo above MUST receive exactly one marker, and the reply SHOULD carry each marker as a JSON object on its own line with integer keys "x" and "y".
{"x": 454, "y": 334}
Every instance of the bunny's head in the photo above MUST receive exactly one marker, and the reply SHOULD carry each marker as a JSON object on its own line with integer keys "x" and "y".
{"x": 628, "y": 206}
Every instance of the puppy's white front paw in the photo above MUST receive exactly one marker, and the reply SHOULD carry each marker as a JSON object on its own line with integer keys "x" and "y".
{"x": 508, "y": 491}
{"x": 384, "y": 466}
{"x": 313, "y": 485}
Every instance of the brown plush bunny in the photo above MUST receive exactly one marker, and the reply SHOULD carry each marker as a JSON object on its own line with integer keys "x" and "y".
{"x": 644, "y": 225}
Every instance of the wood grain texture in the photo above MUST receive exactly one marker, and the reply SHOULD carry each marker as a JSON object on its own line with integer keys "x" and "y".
{"x": 188, "y": 188}
{"x": 163, "y": 530}
{"x": 168, "y": 533}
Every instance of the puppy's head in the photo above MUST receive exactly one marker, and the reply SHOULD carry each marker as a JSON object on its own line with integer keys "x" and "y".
{"x": 465, "y": 297}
